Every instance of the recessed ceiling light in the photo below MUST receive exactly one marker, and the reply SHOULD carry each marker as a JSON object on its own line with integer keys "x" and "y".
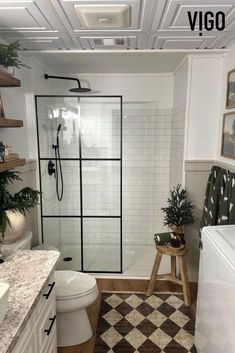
{"x": 103, "y": 16}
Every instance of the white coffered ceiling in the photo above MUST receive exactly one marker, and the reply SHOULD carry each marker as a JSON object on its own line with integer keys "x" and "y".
{"x": 154, "y": 24}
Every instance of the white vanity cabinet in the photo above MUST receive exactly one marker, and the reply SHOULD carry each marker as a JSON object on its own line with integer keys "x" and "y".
{"x": 39, "y": 335}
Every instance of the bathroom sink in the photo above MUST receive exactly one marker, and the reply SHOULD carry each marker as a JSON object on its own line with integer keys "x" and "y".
{"x": 4, "y": 293}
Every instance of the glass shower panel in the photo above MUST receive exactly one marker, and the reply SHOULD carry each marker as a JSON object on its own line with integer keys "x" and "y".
{"x": 51, "y": 112}
{"x": 101, "y": 128}
{"x": 70, "y": 204}
{"x": 64, "y": 234}
{"x": 85, "y": 222}
{"x": 101, "y": 188}
{"x": 101, "y": 244}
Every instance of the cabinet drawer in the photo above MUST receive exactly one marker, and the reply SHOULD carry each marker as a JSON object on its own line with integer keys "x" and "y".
{"x": 46, "y": 323}
{"x": 28, "y": 346}
{"x": 26, "y": 342}
{"x": 52, "y": 343}
{"x": 47, "y": 293}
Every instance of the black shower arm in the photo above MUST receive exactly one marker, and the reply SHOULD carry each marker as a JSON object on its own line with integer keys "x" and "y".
{"x": 63, "y": 78}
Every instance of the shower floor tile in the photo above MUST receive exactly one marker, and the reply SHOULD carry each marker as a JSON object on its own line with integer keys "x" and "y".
{"x": 135, "y": 323}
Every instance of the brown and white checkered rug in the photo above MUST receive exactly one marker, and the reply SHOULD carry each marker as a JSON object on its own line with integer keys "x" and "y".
{"x": 134, "y": 323}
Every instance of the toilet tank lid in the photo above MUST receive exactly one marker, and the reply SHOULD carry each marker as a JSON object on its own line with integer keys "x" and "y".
{"x": 21, "y": 243}
{"x": 73, "y": 283}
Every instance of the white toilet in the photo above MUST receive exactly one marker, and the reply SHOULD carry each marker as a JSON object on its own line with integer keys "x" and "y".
{"x": 75, "y": 291}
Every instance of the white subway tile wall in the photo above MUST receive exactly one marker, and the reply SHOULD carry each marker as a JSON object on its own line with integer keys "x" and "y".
{"x": 61, "y": 230}
{"x": 51, "y": 231}
{"x": 146, "y": 168}
{"x": 70, "y": 204}
{"x": 99, "y": 232}
{"x": 101, "y": 188}
{"x": 51, "y": 112}
{"x": 101, "y": 130}
{"x": 177, "y": 147}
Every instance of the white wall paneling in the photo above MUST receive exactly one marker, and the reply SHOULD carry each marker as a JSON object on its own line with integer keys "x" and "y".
{"x": 203, "y": 103}
{"x": 180, "y": 95}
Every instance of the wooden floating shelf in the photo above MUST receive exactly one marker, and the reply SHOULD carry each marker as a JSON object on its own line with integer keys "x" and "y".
{"x": 7, "y": 80}
{"x": 11, "y": 164}
{"x": 10, "y": 122}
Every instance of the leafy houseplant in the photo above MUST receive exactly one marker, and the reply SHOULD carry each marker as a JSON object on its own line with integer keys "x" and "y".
{"x": 14, "y": 204}
{"x": 9, "y": 55}
{"x": 179, "y": 212}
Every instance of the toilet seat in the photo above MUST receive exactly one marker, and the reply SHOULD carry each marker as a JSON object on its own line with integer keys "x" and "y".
{"x": 72, "y": 284}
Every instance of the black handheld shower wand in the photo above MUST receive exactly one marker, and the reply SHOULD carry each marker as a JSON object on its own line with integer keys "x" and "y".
{"x": 57, "y": 137}
{"x": 57, "y": 171}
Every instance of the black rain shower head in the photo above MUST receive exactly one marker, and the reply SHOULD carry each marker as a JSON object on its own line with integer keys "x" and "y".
{"x": 78, "y": 89}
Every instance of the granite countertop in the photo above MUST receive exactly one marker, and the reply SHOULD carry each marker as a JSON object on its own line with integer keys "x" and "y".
{"x": 27, "y": 272}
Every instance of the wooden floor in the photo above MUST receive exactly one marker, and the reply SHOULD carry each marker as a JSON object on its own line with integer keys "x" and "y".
{"x": 124, "y": 285}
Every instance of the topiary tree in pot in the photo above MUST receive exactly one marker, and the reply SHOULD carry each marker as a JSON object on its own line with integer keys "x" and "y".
{"x": 179, "y": 212}
{"x": 14, "y": 207}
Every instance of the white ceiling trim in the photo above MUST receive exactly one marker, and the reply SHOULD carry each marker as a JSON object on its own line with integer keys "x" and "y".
{"x": 198, "y": 51}
{"x": 105, "y": 74}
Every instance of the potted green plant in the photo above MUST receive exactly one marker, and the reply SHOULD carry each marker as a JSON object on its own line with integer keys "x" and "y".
{"x": 13, "y": 207}
{"x": 179, "y": 212}
{"x": 9, "y": 57}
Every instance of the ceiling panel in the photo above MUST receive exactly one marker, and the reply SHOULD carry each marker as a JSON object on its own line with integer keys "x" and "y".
{"x": 42, "y": 41}
{"x": 154, "y": 24}
{"x": 17, "y": 15}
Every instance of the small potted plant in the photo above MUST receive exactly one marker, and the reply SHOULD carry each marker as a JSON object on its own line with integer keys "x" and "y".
{"x": 9, "y": 57}
{"x": 13, "y": 207}
{"x": 179, "y": 212}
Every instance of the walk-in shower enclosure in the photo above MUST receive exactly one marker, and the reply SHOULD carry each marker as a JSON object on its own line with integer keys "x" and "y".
{"x": 86, "y": 225}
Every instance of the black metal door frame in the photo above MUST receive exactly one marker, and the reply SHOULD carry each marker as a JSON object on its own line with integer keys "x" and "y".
{"x": 80, "y": 159}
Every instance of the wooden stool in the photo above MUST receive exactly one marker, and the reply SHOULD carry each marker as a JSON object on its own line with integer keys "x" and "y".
{"x": 183, "y": 280}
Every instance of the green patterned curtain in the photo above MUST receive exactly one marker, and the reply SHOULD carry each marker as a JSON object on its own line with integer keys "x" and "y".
{"x": 219, "y": 199}
{"x": 227, "y": 210}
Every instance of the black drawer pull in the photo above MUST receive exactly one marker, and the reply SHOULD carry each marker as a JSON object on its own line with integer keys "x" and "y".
{"x": 52, "y": 319}
{"x": 51, "y": 285}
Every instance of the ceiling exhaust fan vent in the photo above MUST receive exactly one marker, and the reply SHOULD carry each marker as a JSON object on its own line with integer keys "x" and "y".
{"x": 98, "y": 42}
{"x": 109, "y": 42}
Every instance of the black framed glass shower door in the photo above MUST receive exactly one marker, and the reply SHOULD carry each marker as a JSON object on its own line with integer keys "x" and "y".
{"x": 86, "y": 225}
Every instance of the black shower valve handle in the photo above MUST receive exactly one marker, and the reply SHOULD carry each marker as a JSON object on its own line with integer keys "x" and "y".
{"x": 51, "y": 168}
